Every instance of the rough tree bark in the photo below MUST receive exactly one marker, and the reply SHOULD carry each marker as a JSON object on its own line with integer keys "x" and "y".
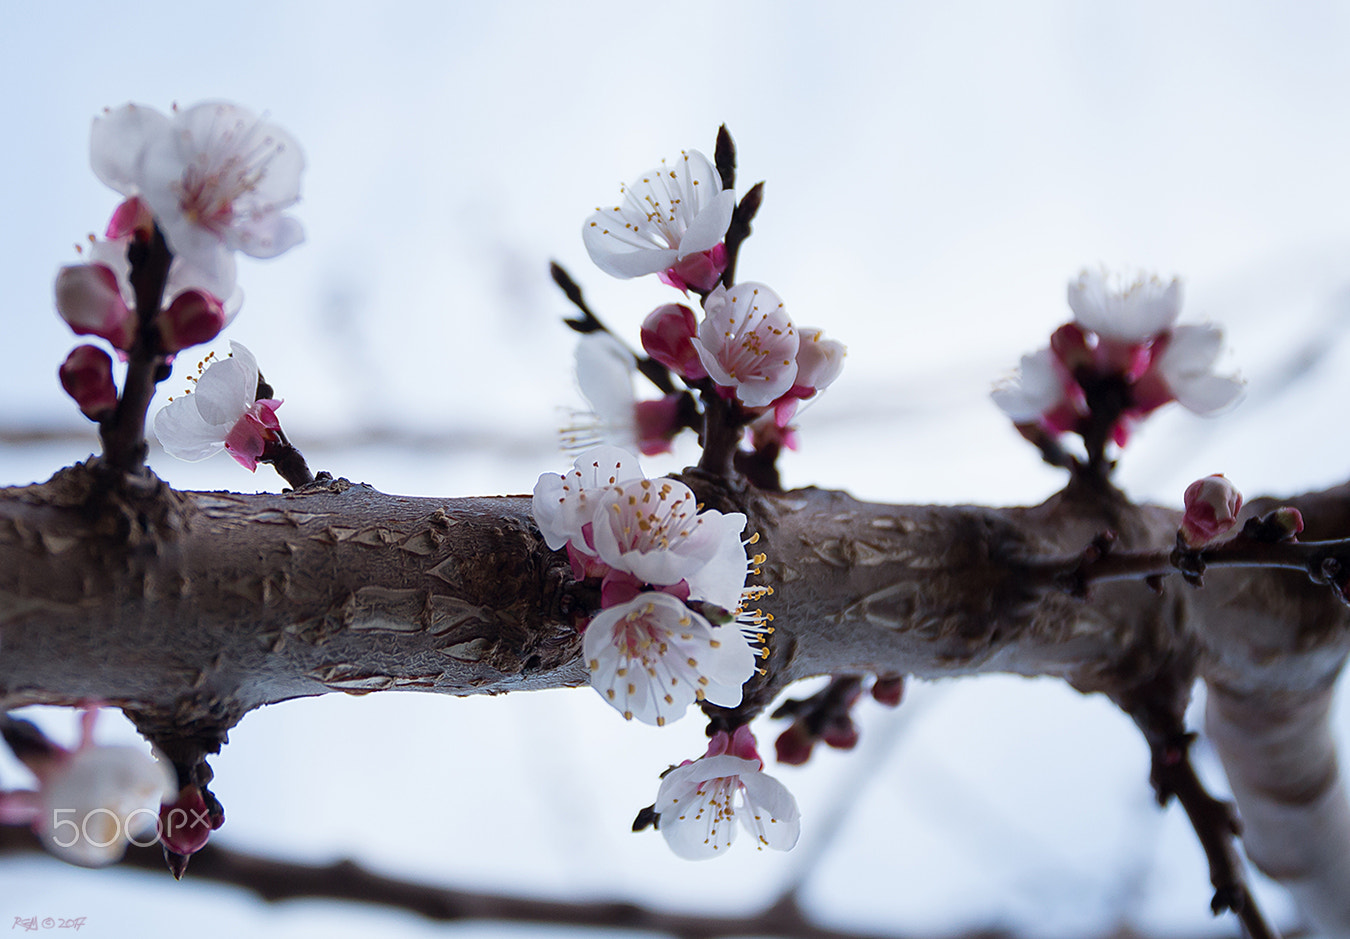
{"x": 189, "y": 609}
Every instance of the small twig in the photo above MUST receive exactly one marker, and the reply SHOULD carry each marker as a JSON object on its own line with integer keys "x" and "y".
{"x": 739, "y": 230}
{"x": 588, "y": 322}
{"x": 281, "y": 454}
{"x": 1215, "y": 822}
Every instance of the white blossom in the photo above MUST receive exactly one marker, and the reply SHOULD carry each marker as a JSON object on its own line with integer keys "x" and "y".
{"x": 1133, "y": 311}
{"x": 564, "y": 505}
{"x": 668, "y": 214}
{"x": 747, "y": 343}
{"x": 652, "y": 657}
{"x": 701, "y": 802}
{"x": 96, "y": 799}
{"x": 1187, "y": 367}
{"x": 216, "y": 177}
{"x": 1034, "y": 391}
{"x": 223, "y": 413}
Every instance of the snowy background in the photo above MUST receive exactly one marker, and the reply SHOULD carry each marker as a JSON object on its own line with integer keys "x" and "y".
{"x": 935, "y": 173}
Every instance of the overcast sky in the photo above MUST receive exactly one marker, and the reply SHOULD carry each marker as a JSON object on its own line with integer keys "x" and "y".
{"x": 935, "y": 174}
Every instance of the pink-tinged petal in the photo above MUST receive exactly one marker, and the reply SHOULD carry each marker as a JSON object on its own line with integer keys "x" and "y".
{"x": 117, "y": 142}
{"x": 130, "y": 219}
{"x": 20, "y": 807}
{"x": 1036, "y": 390}
{"x": 247, "y": 440}
{"x": 747, "y": 343}
{"x": 89, "y": 299}
{"x": 819, "y": 360}
{"x": 86, "y": 375}
{"x": 657, "y": 423}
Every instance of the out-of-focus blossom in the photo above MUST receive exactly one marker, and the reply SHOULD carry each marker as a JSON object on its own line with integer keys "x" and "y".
{"x": 672, "y": 221}
{"x": 1186, "y": 367}
{"x": 652, "y": 657}
{"x": 97, "y": 298}
{"x": 701, "y": 804}
{"x": 1127, "y": 310}
{"x": 1212, "y": 505}
{"x": 605, "y": 371}
{"x": 91, "y": 801}
{"x": 747, "y": 344}
{"x": 1040, "y": 392}
{"x": 216, "y": 177}
{"x": 86, "y": 375}
{"x": 223, "y": 413}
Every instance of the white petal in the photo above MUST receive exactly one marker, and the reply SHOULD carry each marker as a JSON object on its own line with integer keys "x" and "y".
{"x": 117, "y": 143}
{"x": 1137, "y": 311}
{"x": 722, "y": 578}
{"x": 102, "y": 791}
{"x": 819, "y": 360}
{"x": 605, "y": 373}
{"x": 228, "y": 387}
{"x": 710, "y": 225}
{"x": 770, "y": 813}
{"x": 184, "y": 434}
{"x": 1187, "y": 366}
{"x": 1035, "y": 390}
{"x": 562, "y": 505}
{"x": 700, "y": 825}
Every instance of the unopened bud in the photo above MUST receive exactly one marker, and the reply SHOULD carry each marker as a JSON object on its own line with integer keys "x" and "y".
{"x": 657, "y": 423}
{"x": 1069, "y": 344}
{"x": 193, "y": 317}
{"x": 667, "y": 335}
{"x": 90, "y": 301}
{"x": 888, "y": 690}
{"x": 793, "y": 745}
{"x": 840, "y": 732}
{"x": 1212, "y": 505}
{"x": 185, "y": 823}
{"x": 86, "y": 375}
{"x": 131, "y": 219}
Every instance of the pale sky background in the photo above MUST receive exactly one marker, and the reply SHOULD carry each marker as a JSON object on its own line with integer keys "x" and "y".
{"x": 935, "y": 173}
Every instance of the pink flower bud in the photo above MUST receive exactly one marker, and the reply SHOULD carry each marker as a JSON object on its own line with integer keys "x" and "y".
{"x": 90, "y": 301}
{"x": 1212, "y": 505}
{"x": 193, "y": 317}
{"x": 1069, "y": 344}
{"x": 840, "y": 733}
{"x": 86, "y": 375}
{"x": 185, "y": 823}
{"x": 794, "y": 745}
{"x": 253, "y": 432}
{"x": 667, "y": 335}
{"x": 701, "y": 271}
{"x": 131, "y": 219}
{"x": 657, "y": 423}
{"x": 888, "y": 690}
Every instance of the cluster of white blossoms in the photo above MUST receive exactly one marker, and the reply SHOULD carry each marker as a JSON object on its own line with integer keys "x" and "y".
{"x": 673, "y": 222}
{"x": 1124, "y": 332}
{"x": 645, "y": 540}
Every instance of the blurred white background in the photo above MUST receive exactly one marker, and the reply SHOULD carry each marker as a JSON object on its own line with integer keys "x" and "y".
{"x": 935, "y": 174}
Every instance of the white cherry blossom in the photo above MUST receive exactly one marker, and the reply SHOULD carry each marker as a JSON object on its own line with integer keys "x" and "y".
{"x": 223, "y": 413}
{"x": 747, "y": 343}
{"x": 668, "y": 214}
{"x": 1036, "y": 389}
{"x": 1132, "y": 311}
{"x": 701, "y": 804}
{"x": 652, "y": 529}
{"x": 652, "y": 657}
{"x": 216, "y": 177}
{"x": 1187, "y": 367}
{"x": 564, "y": 505}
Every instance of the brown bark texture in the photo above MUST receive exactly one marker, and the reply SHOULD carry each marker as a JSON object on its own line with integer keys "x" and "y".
{"x": 189, "y": 609}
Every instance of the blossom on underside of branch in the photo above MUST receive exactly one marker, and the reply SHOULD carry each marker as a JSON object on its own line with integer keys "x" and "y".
{"x": 1122, "y": 354}
{"x": 216, "y": 178}
{"x": 671, "y": 222}
{"x": 702, "y": 803}
{"x": 90, "y": 801}
{"x": 652, "y": 657}
{"x": 223, "y": 413}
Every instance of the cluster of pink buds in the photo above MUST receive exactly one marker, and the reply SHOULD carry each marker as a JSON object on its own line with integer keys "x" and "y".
{"x": 1121, "y": 358}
